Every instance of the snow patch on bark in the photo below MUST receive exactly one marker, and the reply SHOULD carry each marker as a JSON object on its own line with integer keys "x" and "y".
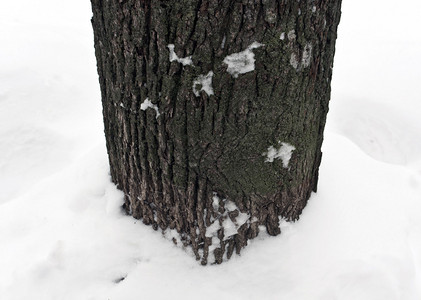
{"x": 284, "y": 152}
{"x": 282, "y": 37}
{"x": 294, "y": 61}
{"x": 242, "y": 62}
{"x": 175, "y": 237}
{"x": 205, "y": 81}
{"x": 305, "y": 58}
{"x": 230, "y": 225}
{"x": 215, "y": 202}
{"x": 174, "y": 57}
{"x": 223, "y": 42}
{"x": 148, "y": 104}
{"x": 291, "y": 35}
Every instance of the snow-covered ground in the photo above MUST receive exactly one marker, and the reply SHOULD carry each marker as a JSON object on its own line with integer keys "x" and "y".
{"x": 63, "y": 236}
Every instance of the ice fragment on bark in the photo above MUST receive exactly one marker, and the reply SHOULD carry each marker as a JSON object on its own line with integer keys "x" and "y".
{"x": 241, "y": 62}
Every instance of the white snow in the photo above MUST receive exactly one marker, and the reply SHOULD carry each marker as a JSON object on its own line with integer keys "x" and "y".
{"x": 294, "y": 61}
{"x": 291, "y": 35}
{"x": 148, "y": 104}
{"x": 284, "y": 152}
{"x": 173, "y": 56}
{"x": 223, "y": 42}
{"x": 230, "y": 227}
{"x": 215, "y": 202}
{"x": 282, "y": 36}
{"x": 212, "y": 230}
{"x": 242, "y": 62}
{"x": 205, "y": 83}
{"x": 305, "y": 58}
{"x": 242, "y": 219}
{"x": 229, "y": 205}
{"x": 62, "y": 232}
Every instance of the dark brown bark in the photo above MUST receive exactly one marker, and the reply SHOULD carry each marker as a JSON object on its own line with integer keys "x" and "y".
{"x": 196, "y": 161}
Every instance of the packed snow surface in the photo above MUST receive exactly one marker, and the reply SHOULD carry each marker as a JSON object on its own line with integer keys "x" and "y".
{"x": 63, "y": 234}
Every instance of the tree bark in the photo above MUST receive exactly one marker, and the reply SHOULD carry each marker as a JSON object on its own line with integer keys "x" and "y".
{"x": 214, "y": 112}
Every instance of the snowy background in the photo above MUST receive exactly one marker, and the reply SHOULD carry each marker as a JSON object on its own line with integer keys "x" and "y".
{"x": 62, "y": 235}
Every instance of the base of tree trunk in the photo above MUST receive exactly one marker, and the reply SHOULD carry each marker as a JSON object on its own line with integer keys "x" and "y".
{"x": 219, "y": 227}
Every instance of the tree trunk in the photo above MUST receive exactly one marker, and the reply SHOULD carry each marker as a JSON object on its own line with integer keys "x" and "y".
{"x": 214, "y": 112}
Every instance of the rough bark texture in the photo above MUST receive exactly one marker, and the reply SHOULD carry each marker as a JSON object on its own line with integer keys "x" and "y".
{"x": 196, "y": 161}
